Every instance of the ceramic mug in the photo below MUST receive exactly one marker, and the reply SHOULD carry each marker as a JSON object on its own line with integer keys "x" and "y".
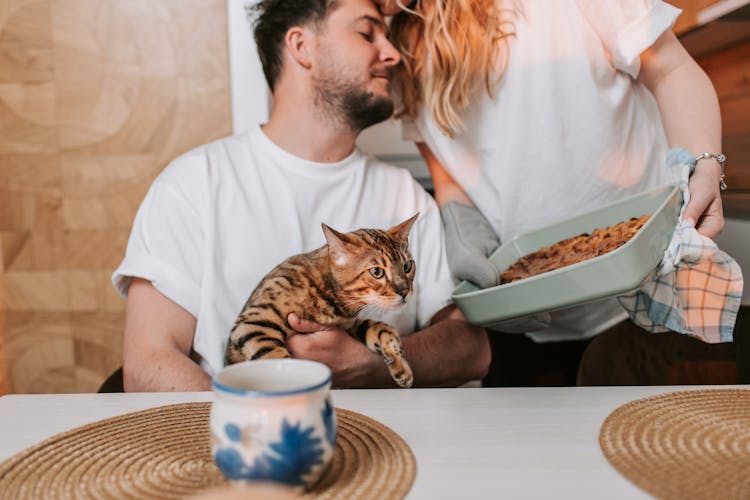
{"x": 272, "y": 420}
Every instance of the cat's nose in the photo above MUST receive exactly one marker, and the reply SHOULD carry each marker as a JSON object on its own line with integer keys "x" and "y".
{"x": 403, "y": 291}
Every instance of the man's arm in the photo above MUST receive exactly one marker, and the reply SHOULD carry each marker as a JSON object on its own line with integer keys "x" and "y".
{"x": 157, "y": 341}
{"x": 448, "y": 353}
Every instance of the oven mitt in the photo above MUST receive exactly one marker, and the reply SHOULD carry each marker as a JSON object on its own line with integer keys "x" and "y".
{"x": 469, "y": 239}
{"x": 697, "y": 288}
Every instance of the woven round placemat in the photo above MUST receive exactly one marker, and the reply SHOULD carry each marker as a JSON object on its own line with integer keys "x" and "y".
{"x": 164, "y": 453}
{"x": 686, "y": 444}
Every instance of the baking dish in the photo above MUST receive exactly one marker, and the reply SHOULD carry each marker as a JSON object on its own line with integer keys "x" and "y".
{"x": 620, "y": 271}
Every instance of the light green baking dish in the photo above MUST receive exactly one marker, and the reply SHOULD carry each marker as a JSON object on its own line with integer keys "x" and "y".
{"x": 609, "y": 275}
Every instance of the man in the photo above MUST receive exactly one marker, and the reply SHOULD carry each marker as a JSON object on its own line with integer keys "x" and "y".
{"x": 220, "y": 217}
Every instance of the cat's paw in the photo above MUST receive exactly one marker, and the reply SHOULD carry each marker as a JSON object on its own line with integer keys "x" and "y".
{"x": 401, "y": 373}
{"x": 405, "y": 380}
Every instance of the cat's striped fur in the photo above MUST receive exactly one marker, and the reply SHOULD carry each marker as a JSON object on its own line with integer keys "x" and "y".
{"x": 332, "y": 285}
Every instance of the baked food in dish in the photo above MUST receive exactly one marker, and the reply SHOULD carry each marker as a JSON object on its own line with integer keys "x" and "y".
{"x": 572, "y": 250}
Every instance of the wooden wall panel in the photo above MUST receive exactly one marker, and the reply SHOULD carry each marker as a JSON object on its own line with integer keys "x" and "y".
{"x": 4, "y": 365}
{"x": 689, "y": 16}
{"x": 96, "y": 97}
{"x": 729, "y": 71}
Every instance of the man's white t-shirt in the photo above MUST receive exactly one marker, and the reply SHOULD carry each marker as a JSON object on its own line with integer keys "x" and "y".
{"x": 220, "y": 217}
{"x": 569, "y": 128}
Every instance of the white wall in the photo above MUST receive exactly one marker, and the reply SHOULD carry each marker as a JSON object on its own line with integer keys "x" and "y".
{"x": 251, "y": 98}
{"x": 384, "y": 141}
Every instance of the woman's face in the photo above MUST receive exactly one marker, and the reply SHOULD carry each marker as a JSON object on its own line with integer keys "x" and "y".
{"x": 388, "y": 7}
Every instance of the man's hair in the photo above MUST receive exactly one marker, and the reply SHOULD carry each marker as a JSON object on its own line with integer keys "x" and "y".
{"x": 273, "y": 18}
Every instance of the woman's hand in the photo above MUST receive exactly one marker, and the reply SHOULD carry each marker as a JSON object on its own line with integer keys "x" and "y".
{"x": 705, "y": 207}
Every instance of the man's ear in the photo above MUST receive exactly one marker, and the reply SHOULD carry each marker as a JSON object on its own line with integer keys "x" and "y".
{"x": 298, "y": 41}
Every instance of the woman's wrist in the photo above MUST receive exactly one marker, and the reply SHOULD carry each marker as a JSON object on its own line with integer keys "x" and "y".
{"x": 718, "y": 159}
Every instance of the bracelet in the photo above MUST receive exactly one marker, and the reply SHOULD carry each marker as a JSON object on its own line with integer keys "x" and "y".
{"x": 721, "y": 159}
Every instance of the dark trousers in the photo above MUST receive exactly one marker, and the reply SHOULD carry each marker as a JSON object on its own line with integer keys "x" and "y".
{"x": 623, "y": 355}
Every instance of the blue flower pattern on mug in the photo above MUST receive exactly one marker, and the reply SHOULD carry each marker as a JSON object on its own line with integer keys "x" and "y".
{"x": 329, "y": 421}
{"x": 298, "y": 453}
{"x": 233, "y": 432}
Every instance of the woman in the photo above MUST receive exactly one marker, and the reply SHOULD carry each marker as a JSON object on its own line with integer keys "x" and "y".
{"x": 531, "y": 112}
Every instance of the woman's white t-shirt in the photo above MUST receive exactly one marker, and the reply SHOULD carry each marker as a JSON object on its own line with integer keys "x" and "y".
{"x": 569, "y": 128}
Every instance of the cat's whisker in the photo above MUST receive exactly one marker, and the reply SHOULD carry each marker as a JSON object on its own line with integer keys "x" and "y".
{"x": 369, "y": 310}
{"x": 379, "y": 309}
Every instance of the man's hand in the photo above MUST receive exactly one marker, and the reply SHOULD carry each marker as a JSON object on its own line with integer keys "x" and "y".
{"x": 447, "y": 353}
{"x": 469, "y": 239}
{"x": 350, "y": 361}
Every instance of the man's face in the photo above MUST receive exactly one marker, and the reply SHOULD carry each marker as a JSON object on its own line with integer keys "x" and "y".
{"x": 354, "y": 63}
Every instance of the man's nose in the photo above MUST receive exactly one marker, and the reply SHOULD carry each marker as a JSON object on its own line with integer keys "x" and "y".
{"x": 389, "y": 54}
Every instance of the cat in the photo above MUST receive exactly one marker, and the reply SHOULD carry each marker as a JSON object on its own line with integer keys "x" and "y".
{"x": 356, "y": 271}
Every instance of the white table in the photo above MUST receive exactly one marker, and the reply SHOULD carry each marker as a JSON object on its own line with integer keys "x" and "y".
{"x": 468, "y": 443}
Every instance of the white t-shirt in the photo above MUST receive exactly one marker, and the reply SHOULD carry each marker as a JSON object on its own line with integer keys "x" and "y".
{"x": 220, "y": 217}
{"x": 569, "y": 129}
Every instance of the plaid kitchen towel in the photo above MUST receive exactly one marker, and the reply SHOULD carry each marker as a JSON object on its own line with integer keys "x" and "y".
{"x": 697, "y": 288}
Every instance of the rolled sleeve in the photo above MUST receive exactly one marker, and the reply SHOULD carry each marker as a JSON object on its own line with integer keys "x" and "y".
{"x": 170, "y": 281}
{"x": 165, "y": 247}
{"x": 628, "y": 27}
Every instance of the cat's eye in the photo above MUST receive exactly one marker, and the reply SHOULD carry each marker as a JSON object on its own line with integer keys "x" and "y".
{"x": 377, "y": 272}
{"x": 408, "y": 265}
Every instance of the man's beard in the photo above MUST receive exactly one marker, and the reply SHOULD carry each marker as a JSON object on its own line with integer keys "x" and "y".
{"x": 357, "y": 107}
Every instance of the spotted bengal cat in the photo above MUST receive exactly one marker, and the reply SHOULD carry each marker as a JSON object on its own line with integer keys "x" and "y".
{"x": 333, "y": 285}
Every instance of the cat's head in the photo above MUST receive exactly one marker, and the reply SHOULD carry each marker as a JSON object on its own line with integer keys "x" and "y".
{"x": 372, "y": 267}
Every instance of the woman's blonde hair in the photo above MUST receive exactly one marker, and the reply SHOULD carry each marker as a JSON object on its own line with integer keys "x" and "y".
{"x": 448, "y": 48}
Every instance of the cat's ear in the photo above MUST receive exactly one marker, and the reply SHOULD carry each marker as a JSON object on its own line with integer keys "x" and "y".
{"x": 337, "y": 245}
{"x": 401, "y": 231}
